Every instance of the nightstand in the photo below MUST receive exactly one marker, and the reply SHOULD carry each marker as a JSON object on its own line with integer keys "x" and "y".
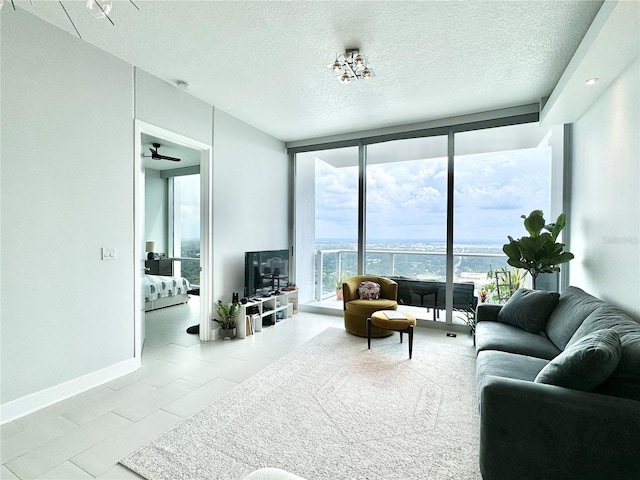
{"x": 159, "y": 267}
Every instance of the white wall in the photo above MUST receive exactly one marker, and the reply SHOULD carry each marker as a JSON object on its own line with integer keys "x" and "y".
{"x": 67, "y": 163}
{"x": 251, "y": 204}
{"x": 156, "y": 209}
{"x": 164, "y": 105}
{"x": 605, "y": 211}
{"x": 66, "y": 192}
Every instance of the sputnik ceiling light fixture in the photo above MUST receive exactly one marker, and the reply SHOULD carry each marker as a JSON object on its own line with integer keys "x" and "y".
{"x": 350, "y": 65}
{"x": 96, "y": 8}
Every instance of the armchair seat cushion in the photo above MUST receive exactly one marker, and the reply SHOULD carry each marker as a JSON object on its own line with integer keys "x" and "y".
{"x": 367, "y": 307}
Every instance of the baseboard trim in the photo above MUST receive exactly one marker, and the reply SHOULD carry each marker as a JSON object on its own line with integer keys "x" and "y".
{"x": 36, "y": 401}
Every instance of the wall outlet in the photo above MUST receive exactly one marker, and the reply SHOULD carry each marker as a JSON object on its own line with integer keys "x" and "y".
{"x": 108, "y": 253}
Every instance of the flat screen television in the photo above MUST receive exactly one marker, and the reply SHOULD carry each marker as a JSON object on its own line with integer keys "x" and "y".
{"x": 265, "y": 271}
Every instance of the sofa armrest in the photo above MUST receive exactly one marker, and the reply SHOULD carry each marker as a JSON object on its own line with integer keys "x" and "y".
{"x": 536, "y": 431}
{"x": 487, "y": 311}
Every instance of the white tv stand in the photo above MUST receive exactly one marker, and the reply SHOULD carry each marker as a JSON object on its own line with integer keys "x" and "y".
{"x": 271, "y": 309}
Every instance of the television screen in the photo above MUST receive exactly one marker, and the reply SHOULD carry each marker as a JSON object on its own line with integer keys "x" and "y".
{"x": 265, "y": 271}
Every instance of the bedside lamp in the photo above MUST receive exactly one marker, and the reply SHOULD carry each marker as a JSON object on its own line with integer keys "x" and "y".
{"x": 150, "y": 247}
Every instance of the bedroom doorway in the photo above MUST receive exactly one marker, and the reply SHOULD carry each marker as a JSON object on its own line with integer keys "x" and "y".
{"x": 172, "y": 208}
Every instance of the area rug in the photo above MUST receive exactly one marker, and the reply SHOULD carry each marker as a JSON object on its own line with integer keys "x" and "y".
{"x": 332, "y": 409}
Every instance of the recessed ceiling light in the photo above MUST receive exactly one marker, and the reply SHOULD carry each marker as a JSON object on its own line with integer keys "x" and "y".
{"x": 590, "y": 82}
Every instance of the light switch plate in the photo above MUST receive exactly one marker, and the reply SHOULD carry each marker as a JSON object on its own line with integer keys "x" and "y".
{"x": 108, "y": 253}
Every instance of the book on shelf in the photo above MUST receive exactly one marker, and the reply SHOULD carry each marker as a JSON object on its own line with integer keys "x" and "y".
{"x": 249, "y": 330}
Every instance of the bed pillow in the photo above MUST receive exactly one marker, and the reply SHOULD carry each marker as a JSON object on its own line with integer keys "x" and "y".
{"x": 529, "y": 309}
{"x": 585, "y": 364}
{"x": 369, "y": 290}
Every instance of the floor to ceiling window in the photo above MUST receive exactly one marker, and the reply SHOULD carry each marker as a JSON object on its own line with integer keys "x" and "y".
{"x": 406, "y": 208}
{"x": 185, "y": 216}
{"x": 327, "y": 220}
{"x": 500, "y": 174}
{"x": 427, "y": 214}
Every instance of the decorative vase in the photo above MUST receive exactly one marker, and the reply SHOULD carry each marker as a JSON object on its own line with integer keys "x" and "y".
{"x": 339, "y": 294}
{"x": 228, "y": 333}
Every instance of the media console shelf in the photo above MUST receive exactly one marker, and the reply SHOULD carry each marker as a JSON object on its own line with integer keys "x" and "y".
{"x": 268, "y": 310}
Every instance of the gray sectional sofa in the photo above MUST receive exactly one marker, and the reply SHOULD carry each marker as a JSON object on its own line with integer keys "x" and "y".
{"x": 532, "y": 428}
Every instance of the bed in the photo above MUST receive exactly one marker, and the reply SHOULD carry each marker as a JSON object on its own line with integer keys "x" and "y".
{"x": 161, "y": 291}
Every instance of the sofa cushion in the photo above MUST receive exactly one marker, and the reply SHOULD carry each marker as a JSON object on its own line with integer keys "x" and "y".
{"x": 507, "y": 338}
{"x": 528, "y": 309}
{"x": 586, "y": 363}
{"x": 507, "y": 365}
{"x": 625, "y": 379}
{"x": 573, "y": 307}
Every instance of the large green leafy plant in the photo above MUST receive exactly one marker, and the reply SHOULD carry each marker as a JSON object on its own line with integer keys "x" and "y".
{"x": 539, "y": 252}
{"x": 228, "y": 314}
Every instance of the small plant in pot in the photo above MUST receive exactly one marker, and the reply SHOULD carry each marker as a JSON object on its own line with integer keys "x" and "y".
{"x": 339, "y": 281}
{"x": 228, "y": 314}
{"x": 539, "y": 252}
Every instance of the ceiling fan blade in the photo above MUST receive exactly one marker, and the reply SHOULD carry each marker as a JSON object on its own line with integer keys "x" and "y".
{"x": 164, "y": 157}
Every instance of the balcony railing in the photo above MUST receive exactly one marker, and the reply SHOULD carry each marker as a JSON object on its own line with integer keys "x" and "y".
{"x": 468, "y": 266}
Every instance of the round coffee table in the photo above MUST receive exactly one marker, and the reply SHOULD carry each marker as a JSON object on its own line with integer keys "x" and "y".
{"x": 402, "y": 322}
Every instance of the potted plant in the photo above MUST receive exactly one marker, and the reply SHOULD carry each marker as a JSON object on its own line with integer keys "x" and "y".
{"x": 339, "y": 281}
{"x": 228, "y": 314}
{"x": 539, "y": 252}
{"x": 504, "y": 283}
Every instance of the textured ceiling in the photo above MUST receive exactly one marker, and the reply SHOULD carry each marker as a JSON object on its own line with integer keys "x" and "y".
{"x": 265, "y": 62}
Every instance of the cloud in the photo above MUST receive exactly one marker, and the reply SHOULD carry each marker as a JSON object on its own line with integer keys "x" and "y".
{"x": 408, "y": 200}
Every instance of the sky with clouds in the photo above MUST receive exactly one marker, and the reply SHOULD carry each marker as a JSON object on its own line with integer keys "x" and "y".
{"x": 406, "y": 200}
{"x": 189, "y": 206}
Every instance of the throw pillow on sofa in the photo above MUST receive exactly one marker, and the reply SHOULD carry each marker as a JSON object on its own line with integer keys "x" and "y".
{"x": 369, "y": 291}
{"x": 529, "y": 309}
{"x": 585, "y": 364}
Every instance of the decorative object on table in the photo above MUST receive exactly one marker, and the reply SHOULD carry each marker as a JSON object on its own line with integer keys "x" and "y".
{"x": 150, "y": 248}
{"x": 228, "y": 316}
{"x": 539, "y": 252}
{"x": 235, "y": 297}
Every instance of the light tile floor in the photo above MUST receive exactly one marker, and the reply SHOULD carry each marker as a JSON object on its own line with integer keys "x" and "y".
{"x": 83, "y": 437}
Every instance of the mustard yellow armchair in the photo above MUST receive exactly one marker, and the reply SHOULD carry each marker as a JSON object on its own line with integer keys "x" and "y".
{"x": 356, "y": 311}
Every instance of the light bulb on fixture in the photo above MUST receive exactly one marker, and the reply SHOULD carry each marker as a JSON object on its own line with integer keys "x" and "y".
{"x": 345, "y": 78}
{"x": 359, "y": 61}
{"x": 337, "y": 67}
{"x": 366, "y": 73}
{"x": 99, "y": 10}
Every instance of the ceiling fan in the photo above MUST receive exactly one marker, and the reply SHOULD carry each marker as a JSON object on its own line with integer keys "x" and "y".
{"x": 156, "y": 156}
